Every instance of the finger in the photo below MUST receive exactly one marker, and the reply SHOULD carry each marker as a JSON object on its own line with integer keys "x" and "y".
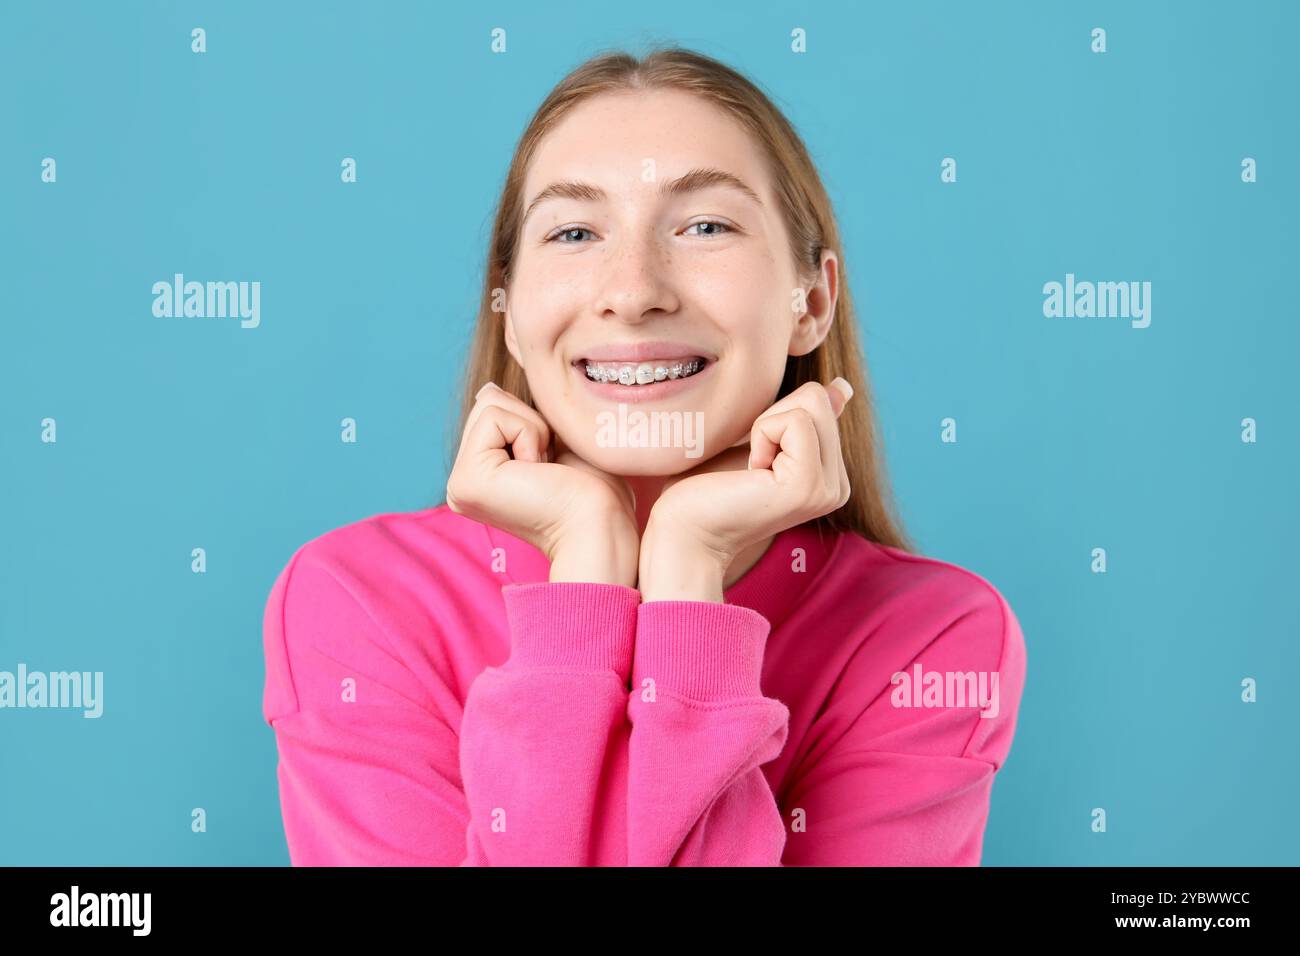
{"x": 840, "y": 388}
{"x": 495, "y": 428}
{"x": 837, "y": 393}
{"x": 815, "y": 399}
{"x": 491, "y": 395}
{"x": 840, "y": 391}
{"x": 792, "y": 436}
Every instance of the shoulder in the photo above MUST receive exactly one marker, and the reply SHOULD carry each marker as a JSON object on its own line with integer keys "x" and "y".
{"x": 363, "y": 597}
{"x": 907, "y": 608}
{"x": 926, "y": 597}
{"x": 924, "y": 622}
{"x": 389, "y": 544}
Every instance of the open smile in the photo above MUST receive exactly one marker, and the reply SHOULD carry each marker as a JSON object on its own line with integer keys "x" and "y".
{"x": 642, "y": 381}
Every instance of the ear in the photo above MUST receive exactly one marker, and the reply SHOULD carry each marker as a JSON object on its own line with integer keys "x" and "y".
{"x": 512, "y": 344}
{"x": 812, "y": 326}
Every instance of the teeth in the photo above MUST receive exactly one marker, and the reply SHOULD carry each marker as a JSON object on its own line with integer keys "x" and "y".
{"x": 643, "y": 373}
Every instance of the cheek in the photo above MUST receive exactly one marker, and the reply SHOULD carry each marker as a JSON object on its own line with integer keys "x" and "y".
{"x": 758, "y": 353}
{"x": 541, "y": 306}
{"x": 540, "y": 311}
{"x": 743, "y": 294}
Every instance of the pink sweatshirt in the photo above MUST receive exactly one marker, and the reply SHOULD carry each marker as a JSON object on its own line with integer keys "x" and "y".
{"x": 436, "y": 701}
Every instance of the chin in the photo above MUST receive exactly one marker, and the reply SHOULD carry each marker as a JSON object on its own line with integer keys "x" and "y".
{"x": 643, "y": 462}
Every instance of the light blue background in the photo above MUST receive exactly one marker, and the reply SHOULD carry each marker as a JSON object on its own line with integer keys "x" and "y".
{"x": 1073, "y": 433}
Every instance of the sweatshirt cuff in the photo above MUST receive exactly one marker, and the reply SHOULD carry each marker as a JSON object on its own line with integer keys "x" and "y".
{"x": 571, "y": 624}
{"x": 700, "y": 649}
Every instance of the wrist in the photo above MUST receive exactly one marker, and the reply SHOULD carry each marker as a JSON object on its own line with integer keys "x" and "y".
{"x": 675, "y": 568}
{"x": 602, "y": 552}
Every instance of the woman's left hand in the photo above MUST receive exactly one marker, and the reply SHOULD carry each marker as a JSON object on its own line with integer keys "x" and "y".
{"x": 792, "y": 471}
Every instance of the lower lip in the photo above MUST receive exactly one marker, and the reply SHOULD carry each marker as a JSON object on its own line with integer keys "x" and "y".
{"x": 618, "y": 392}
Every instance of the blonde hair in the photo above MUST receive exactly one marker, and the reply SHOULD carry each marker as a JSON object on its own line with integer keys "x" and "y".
{"x": 810, "y": 223}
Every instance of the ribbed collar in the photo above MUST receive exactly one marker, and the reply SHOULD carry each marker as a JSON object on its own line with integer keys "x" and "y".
{"x": 772, "y": 586}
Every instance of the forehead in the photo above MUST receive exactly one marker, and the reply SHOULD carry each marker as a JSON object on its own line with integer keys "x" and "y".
{"x": 606, "y": 140}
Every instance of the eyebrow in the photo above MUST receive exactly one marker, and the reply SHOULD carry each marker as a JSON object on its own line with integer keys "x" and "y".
{"x": 696, "y": 179}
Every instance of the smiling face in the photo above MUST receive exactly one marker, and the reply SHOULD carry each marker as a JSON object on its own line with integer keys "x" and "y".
{"x": 654, "y": 269}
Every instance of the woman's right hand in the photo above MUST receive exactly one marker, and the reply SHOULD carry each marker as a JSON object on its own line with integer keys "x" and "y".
{"x": 581, "y": 518}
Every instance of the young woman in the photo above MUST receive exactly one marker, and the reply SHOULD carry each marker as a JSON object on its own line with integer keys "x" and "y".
{"x": 698, "y": 641}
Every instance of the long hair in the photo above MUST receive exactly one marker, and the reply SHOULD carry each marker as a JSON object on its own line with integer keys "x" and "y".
{"x": 810, "y": 222}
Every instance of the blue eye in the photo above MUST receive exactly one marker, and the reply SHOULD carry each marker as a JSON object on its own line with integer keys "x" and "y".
{"x": 565, "y": 232}
{"x": 710, "y": 222}
{"x": 566, "y": 235}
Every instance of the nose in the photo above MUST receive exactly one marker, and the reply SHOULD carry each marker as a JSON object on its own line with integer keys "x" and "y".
{"x": 634, "y": 282}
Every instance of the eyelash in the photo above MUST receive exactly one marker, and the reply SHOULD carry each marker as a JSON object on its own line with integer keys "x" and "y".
{"x": 564, "y": 229}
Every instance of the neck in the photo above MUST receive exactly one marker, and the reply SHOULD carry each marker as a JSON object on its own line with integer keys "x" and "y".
{"x": 646, "y": 489}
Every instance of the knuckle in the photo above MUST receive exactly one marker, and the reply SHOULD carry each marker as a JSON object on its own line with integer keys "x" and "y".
{"x": 802, "y": 416}
{"x": 816, "y": 394}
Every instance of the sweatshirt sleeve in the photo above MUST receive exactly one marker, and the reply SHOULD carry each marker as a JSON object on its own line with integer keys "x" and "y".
{"x": 371, "y": 773}
{"x": 367, "y": 764}
{"x": 544, "y": 736}
{"x": 701, "y": 731}
{"x": 890, "y": 783}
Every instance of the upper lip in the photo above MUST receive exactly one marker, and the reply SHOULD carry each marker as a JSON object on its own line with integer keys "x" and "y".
{"x": 642, "y": 352}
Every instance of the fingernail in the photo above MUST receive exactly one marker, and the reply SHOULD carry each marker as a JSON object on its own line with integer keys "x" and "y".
{"x": 845, "y": 388}
{"x": 479, "y": 393}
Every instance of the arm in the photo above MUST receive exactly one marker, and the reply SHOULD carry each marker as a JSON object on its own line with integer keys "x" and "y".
{"x": 377, "y": 779}
{"x": 544, "y": 737}
{"x": 908, "y": 786}
{"x": 367, "y": 764}
{"x": 880, "y": 785}
{"x": 701, "y": 730}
